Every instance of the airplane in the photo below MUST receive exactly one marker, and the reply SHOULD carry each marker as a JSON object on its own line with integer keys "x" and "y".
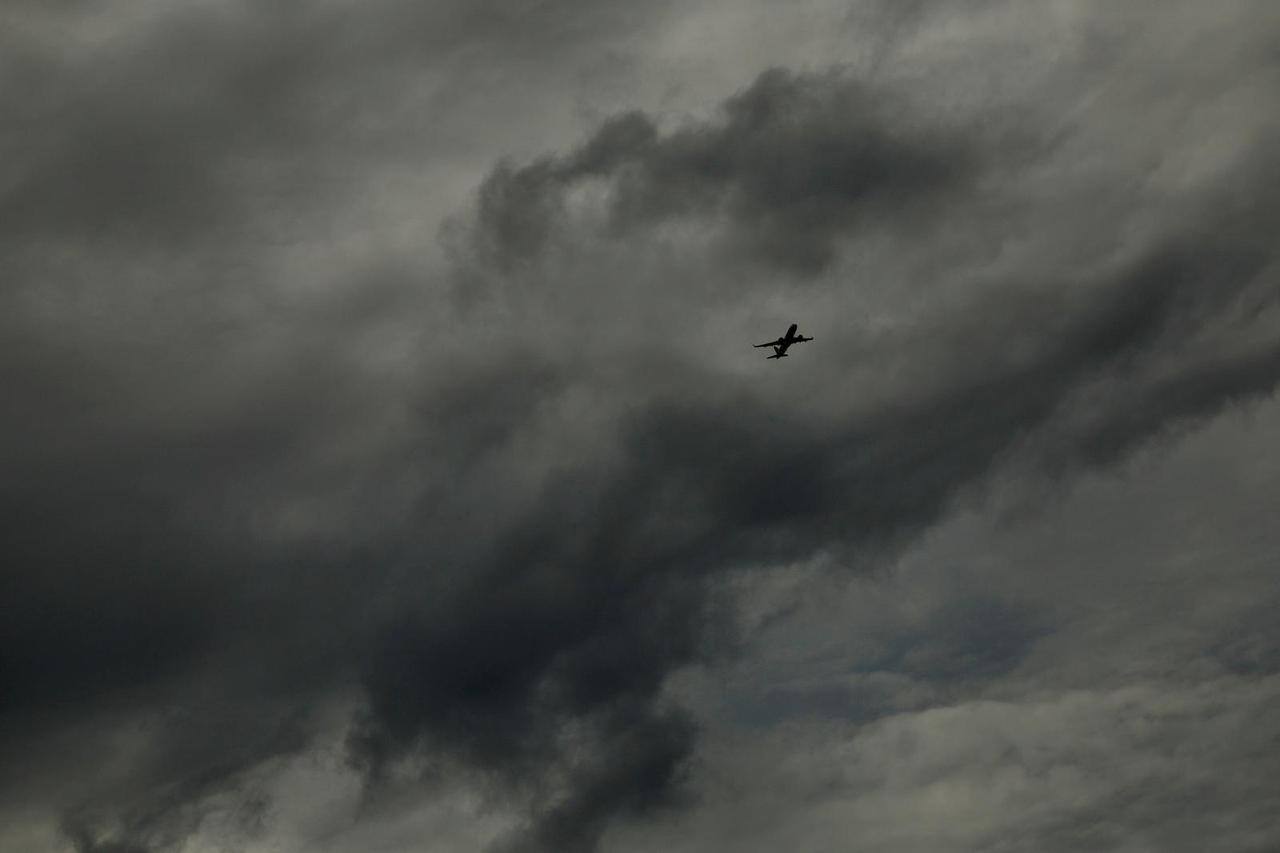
{"x": 781, "y": 344}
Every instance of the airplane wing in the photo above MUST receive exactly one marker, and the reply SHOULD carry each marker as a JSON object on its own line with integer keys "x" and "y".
{"x": 778, "y": 342}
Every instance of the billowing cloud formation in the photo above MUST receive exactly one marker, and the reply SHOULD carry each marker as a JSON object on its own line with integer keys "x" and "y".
{"x": 788, "y": 168}
{"x": 280, "y": 483}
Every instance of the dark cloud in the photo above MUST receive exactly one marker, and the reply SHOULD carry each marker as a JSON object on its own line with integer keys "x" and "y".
{"x": 235, "y": 497}
{"x": 710, "y": 483}
{"x": 792, "y": 162}
{"x": 724, "y": 479}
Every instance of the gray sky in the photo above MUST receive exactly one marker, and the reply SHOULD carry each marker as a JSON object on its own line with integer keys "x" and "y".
{"x": 386, "y": 466}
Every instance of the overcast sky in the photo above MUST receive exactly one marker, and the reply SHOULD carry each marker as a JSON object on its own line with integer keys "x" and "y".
{"x": 385, "y": 464}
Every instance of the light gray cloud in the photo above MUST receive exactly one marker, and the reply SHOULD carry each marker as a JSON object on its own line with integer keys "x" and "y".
{"x": 1127, "y": 769}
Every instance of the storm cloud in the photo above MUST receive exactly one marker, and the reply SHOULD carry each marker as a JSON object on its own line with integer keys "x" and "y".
{"x": 385, "y": 433}
{"x": 790, "y": 165}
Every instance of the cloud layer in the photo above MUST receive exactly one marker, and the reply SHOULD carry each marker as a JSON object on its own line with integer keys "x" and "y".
{"x": 365, "y": 431}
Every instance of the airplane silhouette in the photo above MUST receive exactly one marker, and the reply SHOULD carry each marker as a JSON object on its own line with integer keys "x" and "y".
{"x": 781, "y": 344}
